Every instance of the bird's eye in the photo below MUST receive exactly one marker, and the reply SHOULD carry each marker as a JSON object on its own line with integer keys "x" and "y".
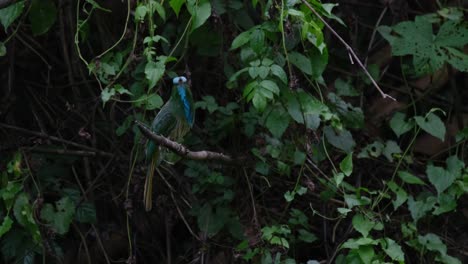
{"x": 183, "y": 79}
{"x": 176, "y": 80}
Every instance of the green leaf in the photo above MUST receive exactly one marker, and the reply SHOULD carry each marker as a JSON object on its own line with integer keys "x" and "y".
{"x": 362, "y": 224}
{"x": 106, "y": 94}
{"x": 176, "y": 5}
{"x": 392, "y": 249}
{"x": 318, "y": 61}
{"x": 140, "y": 12}
{"x": 410, "y": 178}
{"x": 153, "y": 72}
{"x": 270, "y": 85}
{"x": 86, "y": 213}
{"x": 419, "y": 209}
{"x": 6, "y": 225}
{"x": 429, "y": 52}
{"x": 279, "y": 72}
{"x": 301, "y": 62}
{"x": 440, "y": 178}
{"x": 432, "y": 125}
{"x": 346, "y": 165}
{"x": 42, "y": 16}
{"x": 277, "y": 121}
{"x": 61, "y": 217}
{"x": 447, "y": 203}
{"x": 340, "y": 139}
{"x": 399, "y": 125}
{"x": 353, "y": 243}
{"x": 366, "y": 253}
{"x": 153, "y": 101}
{"x": 242, "y": 39}
{"x": 299, "y": 157}
{"x": 345, "y": 88}
{"x": 11, "y": 13}
{"x": 306, "y": 236}
{"x": 455, "y": 166}
{"x": 391, "y": 147}
{"x": 401, "y": 195}
{"x": 200, "y": 11}
{"x": 257, "y": 40}
{"x": 159, "y": 9}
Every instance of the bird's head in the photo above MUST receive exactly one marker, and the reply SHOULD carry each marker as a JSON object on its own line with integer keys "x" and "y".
{"x": 179, "y": 80}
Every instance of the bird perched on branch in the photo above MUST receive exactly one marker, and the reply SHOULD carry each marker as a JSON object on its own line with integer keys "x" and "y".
{"x": 174, "y": 120}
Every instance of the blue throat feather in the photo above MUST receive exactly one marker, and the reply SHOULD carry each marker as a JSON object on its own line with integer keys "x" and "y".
{"x": 187, "y": 110}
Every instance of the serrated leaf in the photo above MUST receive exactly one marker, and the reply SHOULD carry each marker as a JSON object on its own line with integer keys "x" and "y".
{"x": 392, "y": 249}
{"x": 432, "y": 125}
{"x": 362, "y": 224}
{"x": 399, "y": 125}
{"x": 11, "y": 13}
{"x": 42, "y": 15}
{"x": 440, "y": 178}
{"x": 153, "y": 72}
{"x": 410, "y": 178}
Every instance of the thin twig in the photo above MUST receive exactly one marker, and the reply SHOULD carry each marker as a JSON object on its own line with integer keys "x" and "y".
{"x": 184, "y": 151}
{"x": 350, "y": 50}
{"x": 67, "y": 142}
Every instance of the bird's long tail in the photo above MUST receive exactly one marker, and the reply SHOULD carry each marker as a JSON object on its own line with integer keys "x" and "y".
{"x": 148, "y": 192}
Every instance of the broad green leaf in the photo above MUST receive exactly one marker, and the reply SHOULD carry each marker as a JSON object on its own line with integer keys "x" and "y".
{"x": 440, "y": 178}
{"x": 432, "y": 125}
{"x": 391, "y": 147}
{"x": 6, "y": 225}
{"x": 429, "y": 52}
{"x": 306, "y": 236}
{"x": 362, "y": 224}
{"x": 366, "y": 253}
{"x": 107, "y": 94}
{"x": 410, "y": 178}
{"x": 140, "y": 12}
{"x": 446, "y": 203}
{"x": 432, "y": 242}
{"x": 279, "y": 72}
{"x": 176, "y": 5}
{"x": 345, "y": 88}
{"x": 299, "y": 157}
{"x": 346, "y": 165}
{"x": 399, "y": 124}
{"x": 318, "y": 61}
{"x": 11, "y": 13}
{"x": 338, "y": 178}
{"x": 200, "y": 11}
{"x": 153, "y": 101}
{"x": 354, "y": 243}
{"x": 340, "y": 139}
{"x": 42, "y": 15}
{"x": 153, "y": 72}
{"x": 455, "y": 166}
{"x": 270, "y": 85}
{"x": 401, "y": 195}
{"x": 257, "y": 40}
{"x": 392, "y": 249}
{"x": 240, "y": 40}
{"x": 301, "y": 62}
{"x": 159, "y": 9}
{"x": 277, "y": 121}
{"x": 420, "y": 208}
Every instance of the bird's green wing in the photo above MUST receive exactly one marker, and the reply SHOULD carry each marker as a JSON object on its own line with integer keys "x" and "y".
{"x": 164, "y": 123}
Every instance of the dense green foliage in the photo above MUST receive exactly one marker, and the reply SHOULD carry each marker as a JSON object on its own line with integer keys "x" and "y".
{"x": 331, "y": 172}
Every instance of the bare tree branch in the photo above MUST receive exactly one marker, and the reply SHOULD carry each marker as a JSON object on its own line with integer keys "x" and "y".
{"x": 352, "y": 54}
{"x": 184, "y": 151}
